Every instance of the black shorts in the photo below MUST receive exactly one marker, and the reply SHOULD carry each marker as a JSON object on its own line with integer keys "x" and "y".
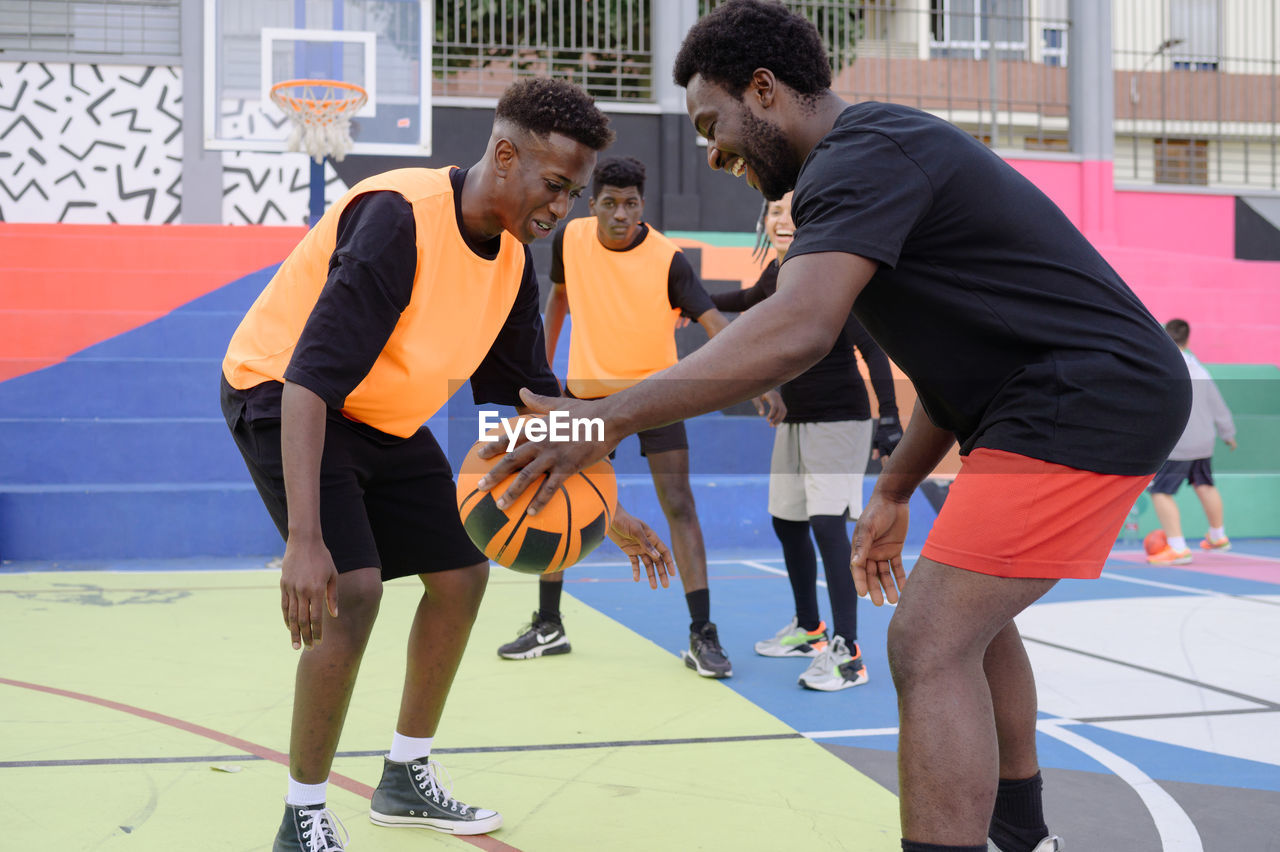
{"x": 663, "y": 439}
{"x": 392, "y": 506}
{"x": 1173, "y": 473}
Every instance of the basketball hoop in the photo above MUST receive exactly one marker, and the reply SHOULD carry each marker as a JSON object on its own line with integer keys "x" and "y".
{"x": 321, "y": 112}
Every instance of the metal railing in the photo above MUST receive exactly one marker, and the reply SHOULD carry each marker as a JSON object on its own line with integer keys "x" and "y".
{"x": 1198, "y": 92}
{"x": 71, "y": 29}
{"x": 986, "y": 65}
{"x": 483, "y": 45}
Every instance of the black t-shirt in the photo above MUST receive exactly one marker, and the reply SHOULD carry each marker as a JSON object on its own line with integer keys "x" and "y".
{"x": 684, "y": 290}
{"x": 831, "y": 389}
{"x": 1017, "y": 334}
{"x": 371, "y": 277}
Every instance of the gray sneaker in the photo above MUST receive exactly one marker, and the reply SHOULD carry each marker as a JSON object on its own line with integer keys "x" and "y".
{"x": 794, "y": 641}
{"x": 310, "y": 828}
{"x": 835, "y": 668}
{"x": 411, "y": 795}
{"x": 705, "y": 656}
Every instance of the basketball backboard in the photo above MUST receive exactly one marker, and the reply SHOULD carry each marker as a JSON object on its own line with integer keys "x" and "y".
{"x": 383, "y": 46}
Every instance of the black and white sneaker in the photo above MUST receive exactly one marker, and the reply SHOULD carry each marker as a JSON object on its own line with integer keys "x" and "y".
{"x": 1052, "y": 843}
{"x": 705, "y": 656}
{"x": 410, "y": 795}
{"x": 310, "y": 828}
{"x": 540, "y": 638}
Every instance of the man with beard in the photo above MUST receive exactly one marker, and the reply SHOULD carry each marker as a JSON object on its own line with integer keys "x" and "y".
{"x": 1063, "y": 391}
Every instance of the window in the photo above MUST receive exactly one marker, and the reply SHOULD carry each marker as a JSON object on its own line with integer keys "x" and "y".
{"x": 1047, "y": 142}
{"x": 1184, "y": 161}
{"x": 71, "y": 28}
{"x": 967, "y": 28}
{"x": 1054, "y": 46}
{"x": 1195, "y": 34}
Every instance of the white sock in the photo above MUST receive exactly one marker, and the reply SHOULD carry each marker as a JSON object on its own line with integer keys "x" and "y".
{"x": 1178, "y": 542}
{"x": 1217, "y": 533}
{"x": 305, "y": 794}
{"x": 405, "y": 749}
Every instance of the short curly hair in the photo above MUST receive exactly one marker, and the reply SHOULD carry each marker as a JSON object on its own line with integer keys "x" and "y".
{"x": 620, "y": 172}
{"x": 544, "y": 106}
{"x": 727, "y": 45}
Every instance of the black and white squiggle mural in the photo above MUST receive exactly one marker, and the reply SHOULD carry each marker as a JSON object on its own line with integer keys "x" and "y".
{"x": 98, "y": 144}
{"x": 271, "y": 189}
{"x": 90, "y": 143}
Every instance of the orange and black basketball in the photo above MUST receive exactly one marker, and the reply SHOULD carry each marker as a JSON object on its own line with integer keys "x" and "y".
{"x": 564, "y": 531}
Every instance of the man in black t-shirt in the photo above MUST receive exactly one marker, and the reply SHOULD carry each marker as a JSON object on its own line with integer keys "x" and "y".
{"x": 820, "y": 453}
{"x": 1064, "y": 393}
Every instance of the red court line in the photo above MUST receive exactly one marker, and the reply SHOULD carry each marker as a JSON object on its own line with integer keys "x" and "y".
{"x": 490, "y": 844}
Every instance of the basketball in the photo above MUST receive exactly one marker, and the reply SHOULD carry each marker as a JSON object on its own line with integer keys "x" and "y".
{"x": 1155, "y": 542}
{"x": 564, "y": 531}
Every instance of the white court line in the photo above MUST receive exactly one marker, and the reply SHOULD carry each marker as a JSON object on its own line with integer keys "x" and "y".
{"x": 1177, "y": 832}
{"x": 1174, "y": 587}
{"x": 852, "y": 732}
{"x": 769, "y": 569}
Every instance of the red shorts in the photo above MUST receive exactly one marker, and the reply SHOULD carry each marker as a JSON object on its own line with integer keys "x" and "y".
{"x": 1008, "y": 515}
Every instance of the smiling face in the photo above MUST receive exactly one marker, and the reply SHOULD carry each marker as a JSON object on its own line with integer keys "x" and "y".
{"x": 541, "y": 179}
{"x": 618, "y": 212}
{"x": 739, "y": 141}
{"x": 778, "y": 224}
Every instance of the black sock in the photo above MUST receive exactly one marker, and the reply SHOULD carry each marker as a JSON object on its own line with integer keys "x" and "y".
{"x": 699, "y": 602}
{"x": 832, "y": 534}
{"x": 912, "y": 846}
{"x": 1017, "y": 822}
{"x": 802, "y": 569}
{"x": 549, "y": 600}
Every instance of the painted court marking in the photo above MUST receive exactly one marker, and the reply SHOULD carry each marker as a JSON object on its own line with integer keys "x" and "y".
{"x": 490, "y": 844}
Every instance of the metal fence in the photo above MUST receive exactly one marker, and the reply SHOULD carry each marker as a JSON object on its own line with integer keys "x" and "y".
{"x": 604, "y": 46}
{"x": 74, "y": 28}
{"x": 1198, "y": 92}
{"x": 994, "y": 67}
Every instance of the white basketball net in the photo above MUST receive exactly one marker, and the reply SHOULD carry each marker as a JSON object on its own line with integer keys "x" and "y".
{"x": 321, "y": 112}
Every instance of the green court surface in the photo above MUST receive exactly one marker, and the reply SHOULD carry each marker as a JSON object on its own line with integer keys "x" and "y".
{"x": 127, "y": 696}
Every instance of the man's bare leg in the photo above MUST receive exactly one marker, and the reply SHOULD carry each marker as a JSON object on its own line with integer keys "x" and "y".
{"x": 1167, "y": 514}
{"x": 437, "y": 640}
{"x": 327, "y": 674}
{"x": 670, "y": 471}
{"x": 948, "y": 749}
{"x": 1211, "y": 501}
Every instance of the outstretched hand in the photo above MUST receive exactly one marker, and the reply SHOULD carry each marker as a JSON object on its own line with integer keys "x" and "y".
{"x": 642, "y": 545}
{"x": 558, "y": 459}
{"x": 878, "y": 538}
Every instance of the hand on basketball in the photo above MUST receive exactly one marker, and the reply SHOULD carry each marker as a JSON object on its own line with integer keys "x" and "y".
{"x": 770, "y": 406}
{"x": 877, "y": 550}
{"x": 558, "y": 459}
{"x": 642, "y": 545}
{"x": 308, "y": 584}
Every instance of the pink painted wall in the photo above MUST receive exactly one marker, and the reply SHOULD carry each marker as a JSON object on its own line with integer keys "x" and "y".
{"x": 1177, "y": 252}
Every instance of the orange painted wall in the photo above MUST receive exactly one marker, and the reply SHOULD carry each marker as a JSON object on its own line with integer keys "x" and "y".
{"x": 66, "y": 287}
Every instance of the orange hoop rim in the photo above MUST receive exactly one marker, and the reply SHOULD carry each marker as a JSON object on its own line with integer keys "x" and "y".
{"x": 307, "y": 104}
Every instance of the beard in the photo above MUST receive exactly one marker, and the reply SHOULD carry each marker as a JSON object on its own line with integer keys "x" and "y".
{"x": 769, "y": 156}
